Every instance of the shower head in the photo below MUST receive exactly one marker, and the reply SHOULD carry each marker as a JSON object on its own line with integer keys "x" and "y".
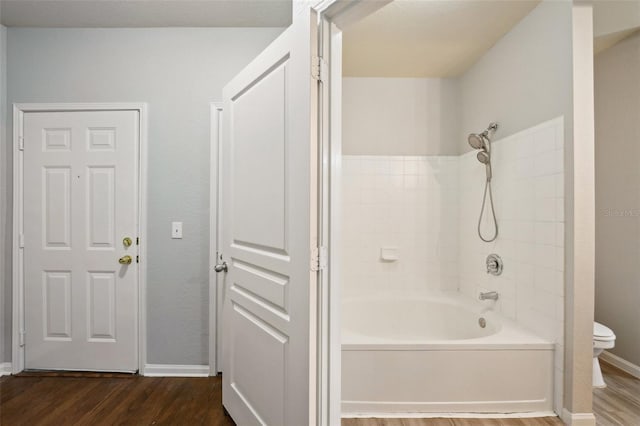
{"x": 477, "y": 140}
{"x": 480, "y": 140}
{"x": 483, "y": 157}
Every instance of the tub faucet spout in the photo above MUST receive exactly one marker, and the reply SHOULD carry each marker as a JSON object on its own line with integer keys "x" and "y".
{"x": 490, "y": 295}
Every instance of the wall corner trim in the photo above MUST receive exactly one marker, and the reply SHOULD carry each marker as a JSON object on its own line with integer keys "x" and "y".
{"x": 5, "y": 369}
{"x": 175, "y": 370}
{"x": 577, "y": 419}
{"x": 621, "y": 363}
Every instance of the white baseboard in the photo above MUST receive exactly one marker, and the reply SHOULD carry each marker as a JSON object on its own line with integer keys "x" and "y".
{"x": 5, "y": 369}
{"x": 577, "y": 419}
{"x": 621, "y": 363}
{"x": 529, "y": 415}
{"x": 151, "y": 370}
{"x": 175, "y": 370}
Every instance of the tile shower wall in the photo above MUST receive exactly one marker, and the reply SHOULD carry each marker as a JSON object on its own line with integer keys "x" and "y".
{"x": 528, "y": 188}
{"x": 407, "y": 204}
{"x": 427, "y": 208}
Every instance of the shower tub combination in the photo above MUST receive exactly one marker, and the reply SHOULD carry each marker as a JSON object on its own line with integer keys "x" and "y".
{"x": 442, "y": 353}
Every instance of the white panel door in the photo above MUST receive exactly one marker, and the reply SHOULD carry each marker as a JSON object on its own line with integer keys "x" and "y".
{"x": 80, "y": 202}
{"x": 269, "y": 189}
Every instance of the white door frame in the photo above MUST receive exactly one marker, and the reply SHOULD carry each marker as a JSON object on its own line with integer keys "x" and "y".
{"x": 335, "y": 15}
{"x": 216, "y": 292}
{"x": 18, "y": 308}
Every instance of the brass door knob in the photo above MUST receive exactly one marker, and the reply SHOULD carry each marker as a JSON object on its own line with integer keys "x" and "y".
{"x": 126, "y": 241}
{"x": 125, "y": 260}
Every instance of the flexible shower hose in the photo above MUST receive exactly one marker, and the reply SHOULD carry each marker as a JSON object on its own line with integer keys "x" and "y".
{"x": 487, "y": 186}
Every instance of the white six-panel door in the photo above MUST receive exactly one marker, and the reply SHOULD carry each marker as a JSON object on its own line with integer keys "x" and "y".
{"x": 269, "y": 192}
{"x": 80, "y": 202}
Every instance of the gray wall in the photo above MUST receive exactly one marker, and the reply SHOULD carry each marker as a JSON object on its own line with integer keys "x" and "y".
{"x": 617, "y": 112}
{"x": 525, "y": 79}
{"x": 178, "y": 72}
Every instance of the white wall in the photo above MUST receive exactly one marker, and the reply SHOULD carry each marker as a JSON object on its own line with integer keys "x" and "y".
{"x": 407, "y": 203}
{"x": 400, "y": 183}
{"x": 400, "y": 116}
{"x": 527, "y": 78}
{"x": 617, "y": 115}
{"x": 178, "y": 72}
{"x": 528, "y": 190}
{"x": 542, "y": 69}
{"x": 524, "y": 79}
{"x": 5, "y": 306}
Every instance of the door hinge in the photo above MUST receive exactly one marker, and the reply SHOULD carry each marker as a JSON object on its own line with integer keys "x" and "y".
{"x": 20, "y": 143}
{"x": 319, "y": 68}
{"x": 318, "y": 259}
{"x": 22, "y": 338}
{"x": 21, "y": 240}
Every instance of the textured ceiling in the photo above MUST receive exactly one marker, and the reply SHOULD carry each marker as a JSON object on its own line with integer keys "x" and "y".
{"x": 428, "y": 38}
{"x": 146, "y": 13}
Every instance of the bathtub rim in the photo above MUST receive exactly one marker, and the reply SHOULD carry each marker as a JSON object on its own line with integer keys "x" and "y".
{"x": 509, "y": 336}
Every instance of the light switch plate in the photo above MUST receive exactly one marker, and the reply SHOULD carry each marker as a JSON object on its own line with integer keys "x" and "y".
{"x": 176, "y": 229}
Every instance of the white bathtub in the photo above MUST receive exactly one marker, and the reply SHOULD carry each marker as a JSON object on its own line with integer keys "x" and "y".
{"x": 429, "y": 354}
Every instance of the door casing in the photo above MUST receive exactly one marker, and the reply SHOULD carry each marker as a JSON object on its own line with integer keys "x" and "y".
{"x": 18, "y": 308}
{"x": 215, "y": 289}
{"x": 335, "y": 15}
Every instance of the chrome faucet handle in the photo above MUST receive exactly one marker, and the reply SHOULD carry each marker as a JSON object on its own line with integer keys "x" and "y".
{"x": 494, "y": 264}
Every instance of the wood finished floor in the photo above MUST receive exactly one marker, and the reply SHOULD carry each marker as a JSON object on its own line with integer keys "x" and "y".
{"x": 62, "y": 401}
{"x": 45, "y": 400}
{"x": 619, "y": 402}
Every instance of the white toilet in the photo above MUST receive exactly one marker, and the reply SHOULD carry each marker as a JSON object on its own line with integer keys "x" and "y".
{"x": 603, "y": 338}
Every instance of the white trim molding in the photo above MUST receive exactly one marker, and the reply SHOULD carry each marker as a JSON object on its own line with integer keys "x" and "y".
{"x": 19, "y": 109}
{"x": 5, "y": 369}
{"x": 215, "y": 291}
{"x": 447, "y": 415}
{"x": 621, "y": 363}
{"x": 176, "y": 370}
{"x": 577, "y": 419}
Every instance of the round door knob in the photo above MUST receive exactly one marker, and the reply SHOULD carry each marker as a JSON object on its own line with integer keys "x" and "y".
{"x": 126, "y": 241}
{"x": 125, "y": 260}
{"x": 221, "y": 267}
